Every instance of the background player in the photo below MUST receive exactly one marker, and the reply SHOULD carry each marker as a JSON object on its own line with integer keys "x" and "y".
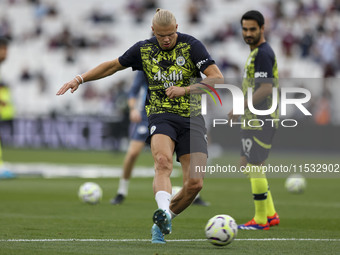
{"x": 139, "y": 133}
{"x": 170, "y": 61}
{"x": 6, "y": 107}
{"x": 260, "y": 74}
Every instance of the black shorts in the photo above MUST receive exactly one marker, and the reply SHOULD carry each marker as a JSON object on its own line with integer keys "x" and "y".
{"x": 256, "y": 144}
{"x": 189, "y": 134}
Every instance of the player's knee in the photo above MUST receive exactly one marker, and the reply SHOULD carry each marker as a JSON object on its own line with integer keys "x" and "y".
{"x": 163, "y": 162}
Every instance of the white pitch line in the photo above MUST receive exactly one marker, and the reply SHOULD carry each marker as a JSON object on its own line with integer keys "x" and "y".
{"x": 289, "y": 239}
{"x": 173, "y": 240}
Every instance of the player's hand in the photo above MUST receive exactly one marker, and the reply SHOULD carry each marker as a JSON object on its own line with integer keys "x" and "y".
{"x": 135, "y": 116}
{"x": 175, "y": 91}
{"x": 73, "y": 85}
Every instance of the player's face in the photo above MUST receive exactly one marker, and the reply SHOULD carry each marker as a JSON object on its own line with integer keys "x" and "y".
{"x": 3, "y": 53}
{"x": 251, "y": 32}
{"x": 165, "y": 35}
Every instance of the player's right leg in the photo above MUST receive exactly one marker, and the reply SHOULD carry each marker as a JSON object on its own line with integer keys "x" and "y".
{"x": 156, "y": 235}
{"x": 131, "y": 156}
{"x": 162, "y": 148}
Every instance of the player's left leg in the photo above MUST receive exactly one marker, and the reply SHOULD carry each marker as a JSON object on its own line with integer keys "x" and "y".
{"x": 191, "y": 151}
{"x": 192, "y": 184}
{"x": 259, "y": 188}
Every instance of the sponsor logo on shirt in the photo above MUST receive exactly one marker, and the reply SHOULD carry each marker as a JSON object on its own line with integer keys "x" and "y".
{"x": 163, "y": 76}
{"x": 261, "y": 75}
{"x": 200, "y": 63}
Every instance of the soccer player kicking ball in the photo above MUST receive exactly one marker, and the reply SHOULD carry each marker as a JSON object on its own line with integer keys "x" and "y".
{"x": 169, "y": 60}
{"x": 261, "y": 75}
{"x": 139, "y": 127}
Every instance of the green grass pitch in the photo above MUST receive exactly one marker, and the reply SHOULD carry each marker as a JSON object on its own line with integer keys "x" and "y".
{"x": 35, "y": 209}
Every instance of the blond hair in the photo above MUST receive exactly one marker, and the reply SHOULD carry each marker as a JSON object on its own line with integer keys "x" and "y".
{"x": 163, "y": 18}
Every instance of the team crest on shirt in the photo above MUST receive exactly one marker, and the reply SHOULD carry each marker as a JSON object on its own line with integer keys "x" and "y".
{"x": 152, "y": 129}
{"x": 180, "y": 61}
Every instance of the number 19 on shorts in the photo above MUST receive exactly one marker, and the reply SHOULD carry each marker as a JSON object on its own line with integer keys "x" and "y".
{"x": 247, "y": 143}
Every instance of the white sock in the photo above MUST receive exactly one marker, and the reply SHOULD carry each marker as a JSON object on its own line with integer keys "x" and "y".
{"x": 172, "y": 214}
{"x": 163, "y": 200}
{"x": 123, "y": 187}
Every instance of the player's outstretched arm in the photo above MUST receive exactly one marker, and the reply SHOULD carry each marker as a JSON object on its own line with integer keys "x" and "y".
{"x": 104, "y": 69}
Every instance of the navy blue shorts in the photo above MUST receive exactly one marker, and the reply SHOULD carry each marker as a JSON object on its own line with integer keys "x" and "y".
{"x": 139, "y": 131}
{"x": 256, "y": 144}
{"x": 189, "y": 134}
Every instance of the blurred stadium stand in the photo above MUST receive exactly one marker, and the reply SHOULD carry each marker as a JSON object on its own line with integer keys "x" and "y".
{"x": 52, "y": 41}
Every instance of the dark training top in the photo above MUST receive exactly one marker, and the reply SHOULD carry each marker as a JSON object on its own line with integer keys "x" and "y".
{"x": 261, "y": 67}
{"x": 179, "y": 66}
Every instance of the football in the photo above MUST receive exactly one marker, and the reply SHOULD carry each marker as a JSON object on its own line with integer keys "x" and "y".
{"x": 90, "y": 193}
{"x": 296, "y": 183}
{"x": 221, "y": 230}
